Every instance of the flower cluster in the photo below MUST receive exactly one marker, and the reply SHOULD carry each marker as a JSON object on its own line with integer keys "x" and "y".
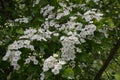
{"x": 54, "y": 64}
{"x": 13, "y": 56}
{"x": 22, "y": 20}
{"x": 91, "y": 14}
{"x": 31, "y": 58}
{"x": 96, "y": 1}
{"x": 88, "y": 30}
{"x": 13, "y": 53}
{"x": 38, "y": 35}
{"x": 68, "y": 49}
{"x": 70, "y": 31}
{"x": 20, "y": 44}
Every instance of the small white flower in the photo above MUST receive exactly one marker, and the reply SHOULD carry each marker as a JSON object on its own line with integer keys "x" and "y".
{"x": 7, "y": 55}
{"x": 79, "y": 50}
{"x": 13, "y": 63}
{"x": 62, "y": 62}
{"x": 42, "y": 76}
{"x": 62, "y": 38}
{"x": 55, "y": 55}
{"x": 35, "y": 62}
{"x": 56, "y": 34}
{"x": 18, "y": 53}
{"x": 73, "y": 17}
{"x": 45, "y": 68}
{"x": 5, "y": 58}
{"x": 58, "y": 66}
{"x": 55, "y": 71}
{"x": 62, "y": 4}
{"x": 27, "y": 61}
{"x": 36, "y": 2}
{"x": 59, "y": 15}
{"x": 27, "y": 42}
{"x": 70, "y": 33}
{"x": 16, "y": 67}
{"x": 32, "y": 58}
{"x": 66, "y": 12}
{"x": 15, "y": 58}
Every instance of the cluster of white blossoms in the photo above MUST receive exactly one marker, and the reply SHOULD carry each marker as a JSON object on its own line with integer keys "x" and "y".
{"x": 31, "y": 58}
{"x": 9, "y": 23}
{"x": 20, "y": 44}
{"x": 88, "y": 30}
{"x": 46, "y": 10}
{"x": 68, "y": 49}
{"x": 73, "y": 32}
{"x": 91, "y": 14}
{"x": 38, "y": 35}
{"x": 76, "y": 32}
{"x": 13, "y": 53}
{"x": 22, "y": 20}
{"x": 96, "y": 1}
{"x": 54, "y": 64}
{"x": 13, "y": 57}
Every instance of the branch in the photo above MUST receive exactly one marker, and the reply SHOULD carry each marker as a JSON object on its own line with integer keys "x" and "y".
{"x": 110, "y": 57}
{"x": 2, "y": 4}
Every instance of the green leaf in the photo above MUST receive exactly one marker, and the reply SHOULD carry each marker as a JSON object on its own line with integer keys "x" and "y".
{"x": 49, "y": 76}
{"x": 117, "y": 76}
{"x": 110, "y": 23}
{"x": 20, "y": 31}
{"x": 68, "y": 73}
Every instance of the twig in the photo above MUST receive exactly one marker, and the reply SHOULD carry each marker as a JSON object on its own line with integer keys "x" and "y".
{"x": 110, "y": 57}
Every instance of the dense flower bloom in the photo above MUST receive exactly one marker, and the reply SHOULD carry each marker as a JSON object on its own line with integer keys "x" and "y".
{"x": 54, "y": 64}
{"x": 68, "y": 33}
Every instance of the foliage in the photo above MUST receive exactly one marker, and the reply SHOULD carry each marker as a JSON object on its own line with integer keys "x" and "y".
{"x": 58, "y": 39}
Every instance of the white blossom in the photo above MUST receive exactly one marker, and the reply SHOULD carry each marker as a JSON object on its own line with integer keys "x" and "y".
{"x": 35, "y": 62}
{"x": 24, "y": 20}
{"x": 45, "y": 11}
{"x": 73, "y": 18}
{"x": 62, "y": 4}
{"x": 55, "y": 55}
{"x": 88, "y": 30}
{"x": 42, "y": 76}
{"x": 27, "y": 61}
{"x": 55, "y": 71}
{"x": 31, "y": 58}
{"x": 91, "y": 14}
{"x": 49, "y": 63}
{"x": 54, "y": 64}
{"x": 16, "y": 67}
{"x": 36, "y": 2}
{"x": 68, "y": 49}
{"x": 78, "y": 50}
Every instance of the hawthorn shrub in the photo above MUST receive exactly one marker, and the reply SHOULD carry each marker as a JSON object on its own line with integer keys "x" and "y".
{"x": 59, "y": 40}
